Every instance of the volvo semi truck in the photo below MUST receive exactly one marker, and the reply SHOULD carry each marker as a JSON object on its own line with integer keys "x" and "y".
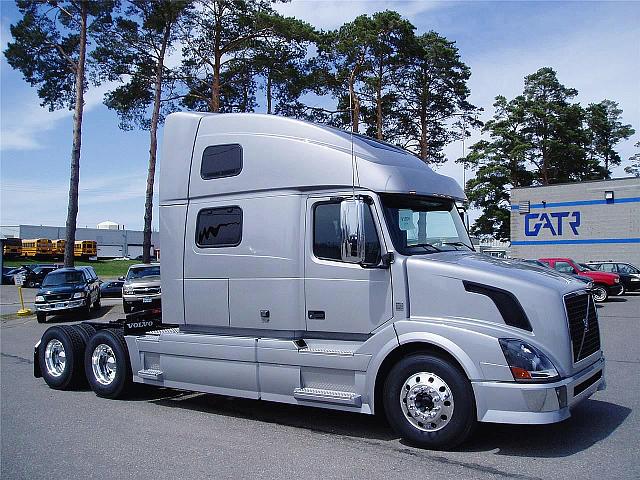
{"x": 308, "y": 265}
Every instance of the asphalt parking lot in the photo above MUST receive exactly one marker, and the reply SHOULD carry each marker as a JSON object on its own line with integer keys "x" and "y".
{"x": 163, "y": 433}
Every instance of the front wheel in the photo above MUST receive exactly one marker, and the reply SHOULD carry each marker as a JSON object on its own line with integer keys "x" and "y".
{"x": 429, "y": 401}
{"x": 600, "y": 293}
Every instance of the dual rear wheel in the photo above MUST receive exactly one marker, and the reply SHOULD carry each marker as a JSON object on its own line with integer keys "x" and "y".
{"x": 72, "y": 355}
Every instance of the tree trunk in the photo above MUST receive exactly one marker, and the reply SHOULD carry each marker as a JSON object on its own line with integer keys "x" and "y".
{"x": 269, "y": 93}
{"x": 379, "y": 103}
{"x": 215, "y": 86}
{"x": 153, "y": 148}
{"x": 424, "y": 151}
{"x": 74, "y": 180}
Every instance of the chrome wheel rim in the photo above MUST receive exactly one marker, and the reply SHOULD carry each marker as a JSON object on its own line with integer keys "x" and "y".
{"x": 103, "y": 364}
{"x": 55, "y": 358}
{"x": 599, "y": 294}
{"x": 426, "y": 402}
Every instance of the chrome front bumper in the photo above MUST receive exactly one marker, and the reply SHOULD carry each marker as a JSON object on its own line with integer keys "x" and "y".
{"x": 510, "y": 402}
{"x": 62, "y": 305}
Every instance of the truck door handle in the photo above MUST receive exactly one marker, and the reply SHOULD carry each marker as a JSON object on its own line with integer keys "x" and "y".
{"x": 316, "y": 314}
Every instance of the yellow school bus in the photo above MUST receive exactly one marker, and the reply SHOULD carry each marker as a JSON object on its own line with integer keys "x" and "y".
{"x": 85, "y": 248}
{"x": 36, "y": 247}
{"x": 58, "y": 247}
{"x": 12, "y": 247}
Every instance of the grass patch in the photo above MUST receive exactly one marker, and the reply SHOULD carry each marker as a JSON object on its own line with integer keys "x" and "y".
{"x": 103, "y": 268}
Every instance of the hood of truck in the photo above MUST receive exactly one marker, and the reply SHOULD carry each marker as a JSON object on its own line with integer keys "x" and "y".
{"x": 62, "y": 289}
{"x": 150, "y": 281}
{"x": 439, "y": 288}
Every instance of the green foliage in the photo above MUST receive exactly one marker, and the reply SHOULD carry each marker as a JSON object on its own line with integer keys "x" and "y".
{"x": 432, "y": 87}
{"x": 606, "y": 130}
{"x": 634, "y": 168}
{"x": 45, "y": 46}
{"x": 133, "y": 50}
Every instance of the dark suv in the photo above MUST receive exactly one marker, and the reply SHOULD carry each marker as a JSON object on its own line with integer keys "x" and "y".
{"x": 629, "y": 274}
{"x": 68, "y": 290}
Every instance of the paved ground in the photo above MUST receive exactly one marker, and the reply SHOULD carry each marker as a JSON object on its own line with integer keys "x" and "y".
{"x": 172, "y": 434}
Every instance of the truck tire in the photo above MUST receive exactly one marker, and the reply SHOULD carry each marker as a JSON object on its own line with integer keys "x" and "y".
{"x": 60, "y": 357}
{"x": 600, "y": 293}
{"x": 429, "y": 401}
{"x": 41, "y": 317}
{"x": 86, "y": 331}
{"x": 107, "y": 365}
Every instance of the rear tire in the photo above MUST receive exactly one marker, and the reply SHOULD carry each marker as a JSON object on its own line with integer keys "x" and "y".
{"x": 97, "y": 305}
{"x": 107, "y": 365}
{"x": 41, "y": 317}
{"x": 60, "y": 356}
{"x": 429, "y": 402}
{"x": 600, "y": 293}
{"x": 621, "y": 292}
{"x": 126, "y": 307}
{"x": 86, "y": 331}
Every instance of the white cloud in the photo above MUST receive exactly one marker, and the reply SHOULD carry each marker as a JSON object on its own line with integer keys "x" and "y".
{"x": 23, "y": 125}
{"x": 330, "y": 14}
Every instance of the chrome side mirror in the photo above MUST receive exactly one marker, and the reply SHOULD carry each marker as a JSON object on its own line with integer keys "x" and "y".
{"x": 352, "y": 248}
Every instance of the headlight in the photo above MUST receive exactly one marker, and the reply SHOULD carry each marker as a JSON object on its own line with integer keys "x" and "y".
{"x": 127, "y": 290}
{"x": 39, "y": 298}
{"x": 79, "y": 294}
{"x": 527, "y": 363}
{"x": 616, "y": 280}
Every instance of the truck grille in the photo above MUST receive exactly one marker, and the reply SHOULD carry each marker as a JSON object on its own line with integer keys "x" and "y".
{"x": 146, "y": 290}
{"x": 54, "y": 297}
{"x": 583, "y": 325}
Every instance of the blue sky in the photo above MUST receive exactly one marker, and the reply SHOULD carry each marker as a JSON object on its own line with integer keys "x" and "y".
{"x": 594, "y": 47}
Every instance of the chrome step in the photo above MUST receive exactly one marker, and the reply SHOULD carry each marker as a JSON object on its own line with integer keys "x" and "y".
{"x": 327, "y": 396}
{"x": 150, "y": 374}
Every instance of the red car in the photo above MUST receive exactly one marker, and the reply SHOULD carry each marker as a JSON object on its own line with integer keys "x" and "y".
{"x": 604, "y": 284}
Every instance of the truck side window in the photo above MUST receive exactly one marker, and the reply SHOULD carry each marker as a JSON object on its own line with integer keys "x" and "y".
{"x": 326, "y": 234}
{"x": 221, "y": 161}
{"x": 219, "y": 227}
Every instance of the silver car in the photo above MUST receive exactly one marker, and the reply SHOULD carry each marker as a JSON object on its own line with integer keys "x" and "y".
{"x": 141, "y": 289}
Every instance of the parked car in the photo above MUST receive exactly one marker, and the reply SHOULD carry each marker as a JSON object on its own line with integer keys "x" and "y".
{"x": 582, "y": 278}
{"x": 141, "y": 289}
{"x": 604, "y": 284}
{"x": 112, "y": 288}
{"x": 8, "y": 273}
{"x": 629, "y": 274}
{"x": 68, "y": 290}
{"x": 34, "y": 274}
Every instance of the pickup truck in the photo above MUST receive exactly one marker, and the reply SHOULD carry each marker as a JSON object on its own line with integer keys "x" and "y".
{"x": 318, "y": 267}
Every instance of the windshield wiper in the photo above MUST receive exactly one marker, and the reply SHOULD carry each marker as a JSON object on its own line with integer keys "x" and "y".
{"x": 461, "y": 244}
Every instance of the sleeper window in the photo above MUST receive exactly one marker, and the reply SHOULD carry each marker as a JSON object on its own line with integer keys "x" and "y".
{"x": 219, "y": 227}
{"x": 327, "y": 236}
{"x": 221, "y": 161}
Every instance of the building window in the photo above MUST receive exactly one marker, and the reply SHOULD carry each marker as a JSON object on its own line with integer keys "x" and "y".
{"x": 327, "y": 235}
{"x": 219, "y": 227}
{"x": 220, "y": 161}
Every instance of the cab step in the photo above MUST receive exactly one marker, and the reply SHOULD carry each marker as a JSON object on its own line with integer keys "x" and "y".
{"x": 150, "y": 374}
{"x": 327, "y": 396}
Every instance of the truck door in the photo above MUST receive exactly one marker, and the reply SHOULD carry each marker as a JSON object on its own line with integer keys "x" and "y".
{"x": 342, "y": 297}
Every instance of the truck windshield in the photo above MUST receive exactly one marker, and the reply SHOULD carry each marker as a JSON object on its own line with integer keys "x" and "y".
{"x": 55, "y": 279}
{"x": 139, "y": 272}
{"x": 420, "y": 225}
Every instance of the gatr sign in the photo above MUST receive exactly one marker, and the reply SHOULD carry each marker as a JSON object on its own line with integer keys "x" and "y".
{"x": 535, "y": 222}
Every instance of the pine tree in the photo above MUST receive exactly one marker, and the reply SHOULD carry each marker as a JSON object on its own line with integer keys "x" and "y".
{"x": 134, "y": 50}
{"x": 49, "y": 47}
{"x": 606, "y": 130}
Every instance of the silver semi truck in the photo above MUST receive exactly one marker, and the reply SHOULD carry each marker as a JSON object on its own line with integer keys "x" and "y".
{"x": 306, "y": 265}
